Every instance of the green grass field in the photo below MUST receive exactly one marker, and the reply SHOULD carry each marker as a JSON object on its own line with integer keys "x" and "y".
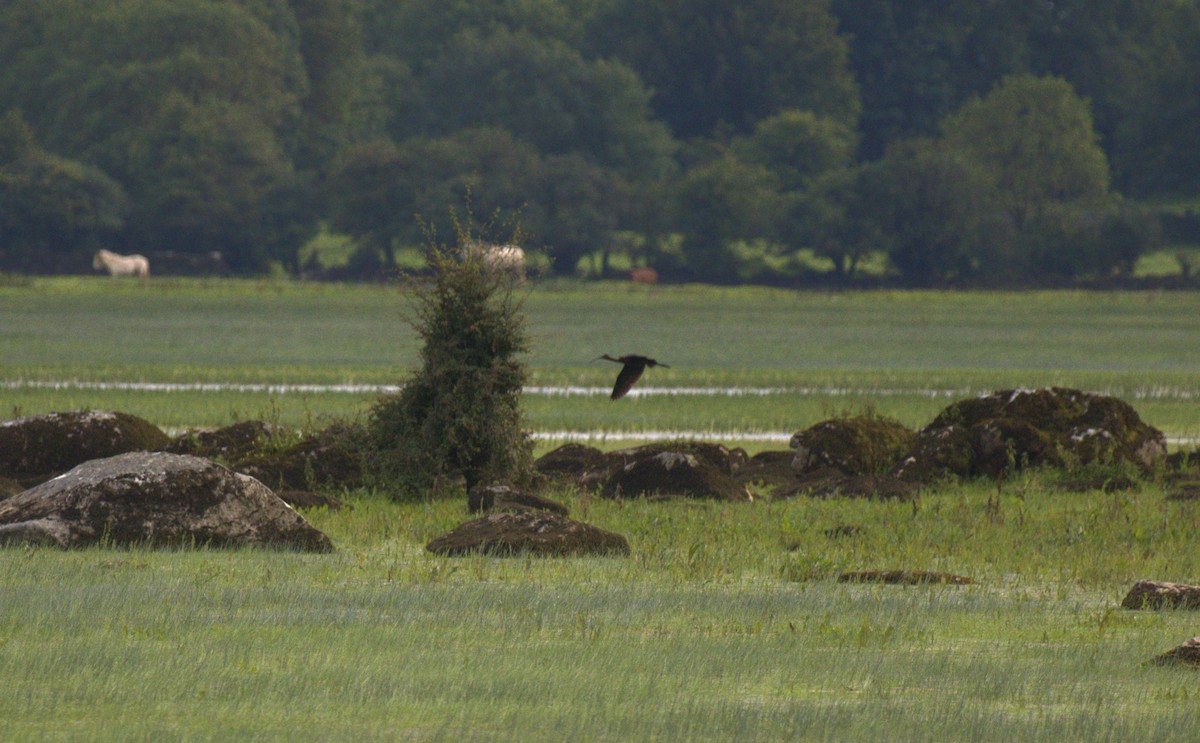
{"x": 824, "y": 353}
{"x": 724, "y": 623}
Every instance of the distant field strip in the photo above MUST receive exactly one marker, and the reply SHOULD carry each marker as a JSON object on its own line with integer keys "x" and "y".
{"x": 746, "y": 436}
{"x": 1146, "y": 393}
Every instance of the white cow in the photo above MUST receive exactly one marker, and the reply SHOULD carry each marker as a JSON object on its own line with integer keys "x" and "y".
{"x": 121, "y": 265}
{"x": 507, "y": 258}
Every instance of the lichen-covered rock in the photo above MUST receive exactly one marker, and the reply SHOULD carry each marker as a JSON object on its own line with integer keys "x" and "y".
{"x": 528, "y": 532}
{"x": 155, "y": 499}
{"x": 1157, "y": 594}
{"x": 854, "y": 446}
{"x": 673, "y": 473}
{"x": 1020, "y": 428}
{"x": 37, "y": 447}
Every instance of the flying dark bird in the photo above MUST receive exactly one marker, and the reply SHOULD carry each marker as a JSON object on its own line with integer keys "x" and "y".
{"x": 632, "y": 369}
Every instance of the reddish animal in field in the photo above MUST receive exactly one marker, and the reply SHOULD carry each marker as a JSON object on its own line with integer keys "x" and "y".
{"x": 644, "y": 275}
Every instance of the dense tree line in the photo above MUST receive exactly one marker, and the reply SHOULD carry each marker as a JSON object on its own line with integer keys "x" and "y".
{"x": 1001, "y": 141}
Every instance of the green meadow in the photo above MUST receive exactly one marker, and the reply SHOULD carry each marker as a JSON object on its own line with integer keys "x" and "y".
{"x": 726, "y": 622}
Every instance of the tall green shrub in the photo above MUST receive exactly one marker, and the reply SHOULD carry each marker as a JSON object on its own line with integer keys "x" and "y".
{"x": 458, "y": 414}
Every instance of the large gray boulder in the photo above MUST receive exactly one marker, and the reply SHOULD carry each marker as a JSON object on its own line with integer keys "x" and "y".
{"x": 37, "y": 447}
{"x": 155, "y": 499}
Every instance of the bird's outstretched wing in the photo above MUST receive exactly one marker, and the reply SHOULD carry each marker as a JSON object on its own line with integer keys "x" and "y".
{"x": 630, "y": 373}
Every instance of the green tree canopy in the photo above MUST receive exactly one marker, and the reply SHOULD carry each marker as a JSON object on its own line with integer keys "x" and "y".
{"x": 1034, "y": 137}
{"x": 547, "y": 94}
{"x": 714, "y": 63}
{"x": 52, "y": 209}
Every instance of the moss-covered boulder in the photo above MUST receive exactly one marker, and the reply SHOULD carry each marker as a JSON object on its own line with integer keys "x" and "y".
{"x": 328, "y": 458}
{"x": 232, "y": 443}
{"x": 582, "y": 465}
{"x": 853, "y": 446}
{"x": 770, "y": 470}
{"x": 35, "y": 448}
{"x": 718, "y": 455}
{"x": 986, "y": 435}
{"x": 673, "y": 474}
{"x": 937, "y": 453}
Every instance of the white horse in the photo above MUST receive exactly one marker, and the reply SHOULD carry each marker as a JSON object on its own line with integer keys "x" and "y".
{"x": 507, "y": 258}
{"x": 121, "y": 265}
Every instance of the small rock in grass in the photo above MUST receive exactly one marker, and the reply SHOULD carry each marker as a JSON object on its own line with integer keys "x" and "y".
{"x": 1187, "y": 654}
{"x": 1156, "y": 594}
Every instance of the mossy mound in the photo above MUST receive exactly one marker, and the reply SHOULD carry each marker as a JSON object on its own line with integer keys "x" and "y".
{"x": 327, "y": 458}
{"x": 673, "y": 474}
{"x": 1055, "y": 426}
{"x": 230, "y": 443}
{"x": 718, "y": 455}
{"x": 853, "y": 446}
{"x": 35, "y": 448}
{"x": 580, "y": 464}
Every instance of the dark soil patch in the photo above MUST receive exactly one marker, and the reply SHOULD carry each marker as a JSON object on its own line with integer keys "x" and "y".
{"x": 902, "y": 577}
{"x": 1101, "y": 483}
{"x": 842, "y": 531}
{"x": 528, "y": 532}
{"x": 831, "y": 483}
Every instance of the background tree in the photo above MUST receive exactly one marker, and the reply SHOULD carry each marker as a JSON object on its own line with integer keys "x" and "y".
{"x": 53, "y": 211}
{"x": 721, "y": 202}
{"x": 715, "y": 64}
{"x": 1034, "y": 137}
{"x": 931, "y": 209}
{"x": 546, "y": 94}
{"x": 381, "y": 189}
{"x": 459, "y": 414}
